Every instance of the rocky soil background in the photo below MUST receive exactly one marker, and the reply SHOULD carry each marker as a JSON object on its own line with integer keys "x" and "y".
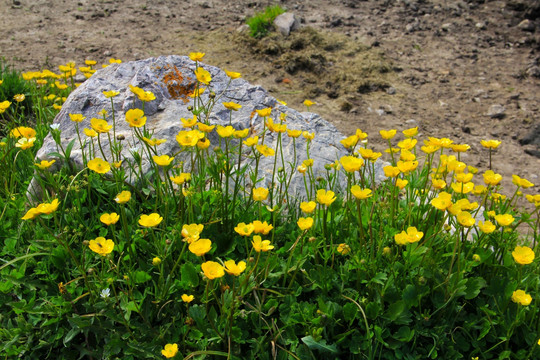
{"x": 457, "y": 69}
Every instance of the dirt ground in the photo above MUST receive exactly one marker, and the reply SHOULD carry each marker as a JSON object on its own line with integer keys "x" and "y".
{"x": 438, "y": 64}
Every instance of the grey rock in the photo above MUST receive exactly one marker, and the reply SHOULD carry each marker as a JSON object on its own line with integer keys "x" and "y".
{"x": 391, "y": 90}
{"x": 526, "y": 25}
{"x": 496, "y": 111}
{"x": 286, "y": 22}
{"x": 171, "y": 78}
{"x": 480, "y": 25}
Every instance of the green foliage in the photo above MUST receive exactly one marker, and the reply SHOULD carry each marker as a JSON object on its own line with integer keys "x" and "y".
{"x": 345, "y": 288}
{"x": 260, "y": 23}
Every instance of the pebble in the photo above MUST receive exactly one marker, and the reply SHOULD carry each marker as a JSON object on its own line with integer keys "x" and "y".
{"x": 496, "y": 111}
{"x": 526, "y": 25}
{"x": 480, "y": 25}
{"x": 391, "y": 90}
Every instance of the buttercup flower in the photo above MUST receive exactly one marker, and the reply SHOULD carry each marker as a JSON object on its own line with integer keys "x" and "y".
{"x": 261, "y": 227}
{"x": 196, "y": 56}
{"x": 523, "y": 255}
{"x": 191, "y": 232}
{"x": 265, "y": 150}
{"x": 109, "y": 219}
{"x": 308, "y": 207}
{"x": 305, "y": 223}
{"x": 90, "y": 132}
{"x": 150, "y": 220}
{"x": 264, "y": 112}
{"x": 163, "y": 160}
{"x": 101, "y": 246}
{"x": 180, "y": 179}
{"x": 260, "y": 194}
{"x": 351, "y": 163}
{"x": 189, "y": 123}
{"x": 261, "y": 245}
{"x": 189, "y": 138}
{"x": 465, "y": 219}
{"x": 156, "y": 261}
{"x": 244, "y": 229}
{"x": 234, "y": 269}
{"x": 411, "y": 236}
{"x": 391, "y": 171}
{"x": 187, "y": 298}
{"x": 123, "y": 197}
{"x": 240, "y": 134}
{"x": 135, "y": 118}
{"x": 443, "y": 201}
{"x": 170, "y": 350}
{"x": 401, "y": 183}
{"x": 251, "y": 141}
{"x": 44, "y": 164}
{"x": 504, "y": 219}
{"x": 388, "y": 134}
{"x": 360, "y": 193}
{"x": 524, "y": 183}
{"x": 411, "y": 132}
{"x": 100, "y": 125}
{"x": 492, "y": 178}
{"x": 99, "y": 165}
{"x": 203, "y": 76}
{"x": 325, "y": 197}
{"x": 23, "y": 131}
{"x": 232, "y": 106}
{"x": 200, "y": 247}
{"x": 308, "y": 103}
{"x": 490, "y": 144}
{"x": 308, "y": 136}
{"x": 486, "y": 227}
{"x": 25, "y": 143}
{"x": 521, "y": 297}
{"x": 111, "y": 93}
{"x": 212, "y": 270}
{"x": 407, "y": 144}
{"x": 232, "y": 74}
{"x": 225, "y": 131}
{"x": 31, "y": 214}
{"x": 343, "y": 249}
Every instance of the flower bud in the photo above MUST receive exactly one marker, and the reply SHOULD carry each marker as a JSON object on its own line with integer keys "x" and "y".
{"x": 120, "y": 137}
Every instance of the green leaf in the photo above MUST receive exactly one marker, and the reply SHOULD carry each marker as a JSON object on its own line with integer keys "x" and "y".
{"x": 372, "y": 310}
{"x": 70, "y": 335}
{"x": 319, "y": 345}
{"x": 141, "y": 277}
{"x": 189, "y": 275}
{"x": 395, "y": 310}
{"x": 349, "y": 311}
{"x": 379, "y": 278}
{"x": 410, "y": 295}
{"x": 404, "y": 334}
{"x": 474, "y": 285}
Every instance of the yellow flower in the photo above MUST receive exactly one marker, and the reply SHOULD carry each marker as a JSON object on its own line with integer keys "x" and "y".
{"x": 203, "y": 144}
{"x": 192, "y": 232}
{"x": 196, "y": 56}
{"x": 521, "y": 297}
{"x": 197, "y": 92}
{"x": 463, "y": 177}
{"x": 135, "y": 118}
{"x": 100, "y": 125}
{"x": 234, "y": 269}
{"x": 187, "y": 298}
{"x": 205, "y": 128}
{"x": 369, "y": 154}
{"x": 476, "y": 258}
{"x": 308, "y": 136}
{"x": 391, "y": 171}
{"x": 19, "y": 97}
{"x": 101, "y": 246}
{"x": 48, "y": 208}
{"x": 429, "y": 149}
{"x": 189, "y": 123}
{"x": 462, "y": 188}
{"x": 111, "y": 93}
{"x": 351, "y": 163}
{"x": 76, "y": 117}
{"x": 57, "y": 107}
{"x": 251, "y": 141}
{"x": 411, "y": 236}
{"x": 154, "y": 142}
{"x": 98, "y": 165}
{"x": 260, "y": 194}
{"x": 460, "y": 147}
{"x": 407, "y": 144}
{"x": 261, "y": 227}
{"x": 523, "y": 255}
{"x": 170, "y": 350}
{"x": 203, "y": 76}
{"x": 443, "y": 201}
{"x": 189, "y": 138}
{"x": 401, "y": 183}
{"x": 360, "y": 193}
{"x": 533, "y": 199}
{"x": 412, "y": 132}
{"x": 4, "y": 105}
{"x": 343, "y": 249}
{"x": 232, "y": 74}
{"x": 163, "y": 160}
{"x": 232, "y": 106}
{"x": 302, "y": 169}
{"x": 504, "y": 219}
{"x": 308, "y": 207}
{"x": 490, "y": 144}
{"x": 479, "y": 190}
{"x": 406, "y": 155}
{"x": 524, "y": 183}
{"x": 115, "y": 61}
{"x": 240, "y": 134}
{"x": 491, "y": 178}
{"x": 123, "y": 197}
{"x": 90, "y": 62}
{"x": 23, "y": 131}
{"x": 350, "y": 141}
{"x": 44, "y": 164}
{"x": 225, "y": 131}
{"x": 200, "y": 247}
{"x": 141, "y": 94}
{"x": 294, "y": 133}
{"x": 308, "y": 103}
{"x": 261, "y": 245}
{"x": 264, "y": 112}
{"x": 31, "y": 214}
{"x": 486, "y": 227}
{"x": 388, "y": 134}
{"x": 325, "y": 197}
{"x": 265, "y": 150}
{"x": 150, "y": 220}
{"x": 212, "y": 270}
{"x": 407, "y": 166}
{"x": 90, "y": 132}
{"x": 109, "y": 219}
{"x": 156, "y": 261}
{"x": 305, "y": 223}
{"x": 308, "y": 162}
{"x": 25, "y": 143}
{"x": 180, "y": 179}
{"x": 244, "y": 229}
{"x": 465, "y": 219}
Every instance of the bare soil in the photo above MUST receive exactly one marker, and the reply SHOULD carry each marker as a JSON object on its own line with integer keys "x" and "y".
{"x": 436, "y": 64}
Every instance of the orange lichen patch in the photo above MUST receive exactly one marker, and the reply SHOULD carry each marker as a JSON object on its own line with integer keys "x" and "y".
{"x": 174, "y": 80}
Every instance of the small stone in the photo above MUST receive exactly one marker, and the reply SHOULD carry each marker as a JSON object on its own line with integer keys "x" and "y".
{"x": 446, "y": 27}
{"x": 526, "y": 25}
{"x": 514, "y": 96}
{"x": 286, "y": 22}
{"x": 496, "y": 111}
{"x": 466, "y": 129}
{"x": 480, "y": 25}
{"x": 379, "y": 112}
{"x": 391, "y": 90}
{"x": 411, "y": 122}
